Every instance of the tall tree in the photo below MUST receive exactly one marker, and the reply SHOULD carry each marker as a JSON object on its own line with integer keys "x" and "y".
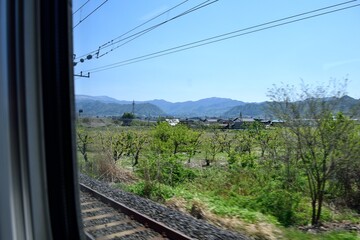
{"x": 179, "y": 137}
{"x": 115, "y": 144}
{"x": 318, "y": 133}
{"x": 83, "y": 141}
{"x": 137, "y": 142}
{"x": 161, "y": 142}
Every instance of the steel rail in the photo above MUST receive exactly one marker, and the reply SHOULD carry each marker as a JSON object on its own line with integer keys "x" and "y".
{"x": 133, "y": 214}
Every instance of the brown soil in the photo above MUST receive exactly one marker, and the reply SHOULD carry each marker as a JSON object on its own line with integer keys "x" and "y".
{"x": 332, "y": 226}
{"x": 258, "y": 231}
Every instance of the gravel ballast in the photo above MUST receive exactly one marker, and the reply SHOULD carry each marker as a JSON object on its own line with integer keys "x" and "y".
{"x": 117, "y": 224}
{"x": 192, "y": 227}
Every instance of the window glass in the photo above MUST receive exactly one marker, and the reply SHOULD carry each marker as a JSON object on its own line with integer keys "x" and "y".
{"x": 231, "y": 111}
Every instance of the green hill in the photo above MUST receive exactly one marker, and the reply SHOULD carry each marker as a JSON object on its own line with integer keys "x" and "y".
{"x": 92, "y": 107}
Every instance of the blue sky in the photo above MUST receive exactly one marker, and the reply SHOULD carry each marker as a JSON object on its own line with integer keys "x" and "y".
{"x": 242, "y": 68}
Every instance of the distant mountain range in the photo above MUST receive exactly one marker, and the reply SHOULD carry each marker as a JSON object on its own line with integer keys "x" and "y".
{"x": 107, "y": 106}
{"x": 208, "y": 107}
{"x": 249, "y": 110}
{"x": 201, "y": 108}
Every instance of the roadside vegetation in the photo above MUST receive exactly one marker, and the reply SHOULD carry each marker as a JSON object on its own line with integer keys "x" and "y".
{"x": 297, "y": 180}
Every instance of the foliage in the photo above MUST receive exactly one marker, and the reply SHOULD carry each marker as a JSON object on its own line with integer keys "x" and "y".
{"x": 116, "y": 144}
{"x": 83, "y": 141}
{"x": 155, "y": 191}
{"x": 164, "y": 169}
{"x": 280, "y": 203}
{"x": 137, "y": 142}
{"x": 127, "y": 118}
{"x": 212, "y": 147}
{"x": 175, "y": 140}
{"x": 322, "y": 140}
{"x": 345, "y": 184}
{"x": 128, "y": 115}
{"x": 161, "y": 142}
{"x": 256, "y": 174}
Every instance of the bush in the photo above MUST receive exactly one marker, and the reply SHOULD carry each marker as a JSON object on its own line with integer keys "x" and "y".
{"x": 152, "y": 190}
{"x": 281, "y": 204}
{"x": 167, "y": 170}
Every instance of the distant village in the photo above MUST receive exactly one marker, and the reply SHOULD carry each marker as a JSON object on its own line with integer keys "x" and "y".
{"x": 236, "y": 123}
{"x": 200, "y": 122}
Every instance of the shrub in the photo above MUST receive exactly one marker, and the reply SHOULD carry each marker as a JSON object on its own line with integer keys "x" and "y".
{"x": 281, "y": 204}
{"x": 164, "y": 169}
{"x": 152, "y": 190}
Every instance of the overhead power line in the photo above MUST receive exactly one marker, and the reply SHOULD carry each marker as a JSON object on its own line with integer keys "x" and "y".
{"x": 139, "y": 34}
{"x": 134, "y": 36}
{"x": 81, "y": 7}
{"x": 142, "y": 24}
{"x": 110, "y": 41}
{"x": 97, "y": 8}
{"x": 222, "y": 37}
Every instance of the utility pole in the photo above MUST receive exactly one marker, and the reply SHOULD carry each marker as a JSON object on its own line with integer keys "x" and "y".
{"x": 81, "y": 75}
{"x": 133, "y": 107}
{"x": 82, "y": 60}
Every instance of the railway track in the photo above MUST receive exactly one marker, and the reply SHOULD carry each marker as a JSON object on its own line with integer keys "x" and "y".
{"x": 104, "y": 218}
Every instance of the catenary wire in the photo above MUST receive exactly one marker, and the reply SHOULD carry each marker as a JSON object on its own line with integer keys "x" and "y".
{"x": 142, "y": 32}
{"x": 248, "y": 28}
{"x": 166, "y": 11}
{"x": 97, "y": 8}
{"x": 142, "y": 24}
{"x": 224, "y": 37}
{"x": 137, "y": 35}
{"x": 81, "y": 7}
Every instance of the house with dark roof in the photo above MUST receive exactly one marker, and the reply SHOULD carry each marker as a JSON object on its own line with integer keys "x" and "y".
{"x": 240, "y": 123}
{"x": 210, "y": 121}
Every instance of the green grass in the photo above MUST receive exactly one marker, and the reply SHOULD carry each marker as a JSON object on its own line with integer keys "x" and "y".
{"x": 230, "y": 207}
{"x": 294, "y": 234}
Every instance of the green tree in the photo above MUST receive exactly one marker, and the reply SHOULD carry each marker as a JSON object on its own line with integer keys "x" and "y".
{"x": 83, "y": 141}
{"x": 346, "y": 182}
{"x": 172, "y": 140}
{"x": 161, "y": 138}
{"x": 127, "y": 118}
{"x": 212, "y": 146}
{"x": 179, "y": 137}
{"x": 137, "y": 142}
{"x": 317, "y": 135}
{"x": 193, "y": 143}
{"x": 243, "y": 142}
{"x": 224, "y": 140}
{"x": 115, "y": 144}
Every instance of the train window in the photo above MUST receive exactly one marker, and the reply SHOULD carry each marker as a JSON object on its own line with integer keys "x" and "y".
{"x": 39, "y": 196}
{"x": 213, "y": 119}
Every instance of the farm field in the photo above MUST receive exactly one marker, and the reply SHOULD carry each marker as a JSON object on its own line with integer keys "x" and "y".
{"x": 250, "y": 180}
